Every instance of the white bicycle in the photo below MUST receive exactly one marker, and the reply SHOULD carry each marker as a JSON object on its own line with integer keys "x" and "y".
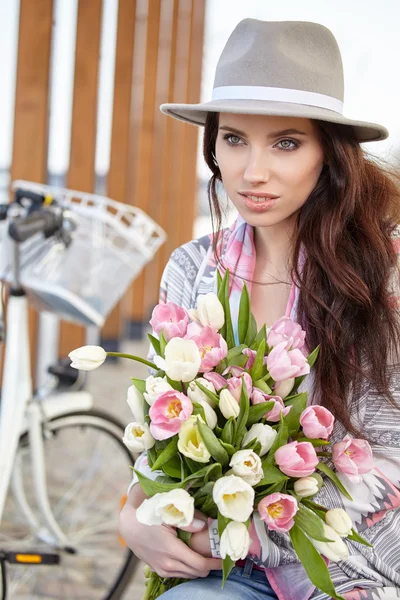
{"x": 62, "y": 463}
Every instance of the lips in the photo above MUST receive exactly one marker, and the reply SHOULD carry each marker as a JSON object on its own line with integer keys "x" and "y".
{"x": 259, "y": 197}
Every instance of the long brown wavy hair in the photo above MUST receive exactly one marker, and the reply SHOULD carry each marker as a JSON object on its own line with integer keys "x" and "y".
{"x": 346, "y": 228}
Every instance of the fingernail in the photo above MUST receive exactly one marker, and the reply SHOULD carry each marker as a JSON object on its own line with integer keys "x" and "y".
{"x": 198, "y": 523}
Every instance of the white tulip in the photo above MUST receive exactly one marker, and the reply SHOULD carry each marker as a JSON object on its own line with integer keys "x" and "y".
{"x": 135, "y": 401}
{"x": 194, "y": 315}
{"x": 235, "y": 541}
{"x": 87, "y": 358}
{"x": 154, "y": 387}
{"x": 137, "y": 437}
{"x": 228, "y": 404}
{"x": 196, "y": 395}
{"x": 263, "y": 434}
{"x": 210, "y": 311}
{"x": 210, "y": 414}
{"x": 335, "y": 550}
{"x": 247, "y": 465}
{"x": 306, "y": 486}
{"x": 339, "y": 520}
{"x": 182, "y": 360}
{"x": 283, "y": 388}
{"x": 234, "y": 498}
{"x": 172, "y": 508}
{"x": 190, "y": 442}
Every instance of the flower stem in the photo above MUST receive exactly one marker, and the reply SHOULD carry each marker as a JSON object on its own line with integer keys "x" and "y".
{"x": 132, "y": 357}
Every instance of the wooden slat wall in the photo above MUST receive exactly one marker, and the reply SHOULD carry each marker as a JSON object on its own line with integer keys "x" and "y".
{"x": 177, "y": 166}
{"x": 29, "y": 159}
{"x": 119, "y": 156}
{"x": 153, "y": 157}
{"x": 81, "y": 174}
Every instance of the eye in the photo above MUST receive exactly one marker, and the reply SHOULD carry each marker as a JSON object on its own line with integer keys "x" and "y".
{"x": 233, "y": 140}
{"x": 289, "y": 148}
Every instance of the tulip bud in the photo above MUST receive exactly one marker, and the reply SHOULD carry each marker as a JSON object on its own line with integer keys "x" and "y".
{"x": 306, "y": 486}
{"x": 87, "y": 358}
{"x": 210, "y": 311}
{"x": 283, "y": 388}
{"x": 228, "y": 405}
{"x": 195, "y": 393}
{"x": 263, "y": 434}
{"x": 235, "y": 541}
{"x": 137, "y": 437}
{"x": 135, "y": 401}
{"x": 339, "y": 520}
{"x": 336, "y": 549}
{"x": 210, "y": 415}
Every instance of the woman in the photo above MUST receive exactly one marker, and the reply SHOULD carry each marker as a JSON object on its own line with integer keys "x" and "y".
{"x": 317, "y": 240}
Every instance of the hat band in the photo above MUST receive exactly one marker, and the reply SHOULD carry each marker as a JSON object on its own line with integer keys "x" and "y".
{"x": 254, "y": 92}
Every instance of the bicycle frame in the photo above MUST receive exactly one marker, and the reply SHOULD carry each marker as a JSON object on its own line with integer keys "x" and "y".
{"x": 21, "y": 413}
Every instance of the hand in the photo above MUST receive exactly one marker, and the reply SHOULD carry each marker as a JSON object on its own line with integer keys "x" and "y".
{"x": 159, "y": 547}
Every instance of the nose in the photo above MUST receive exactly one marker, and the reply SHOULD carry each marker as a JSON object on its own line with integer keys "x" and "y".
{"x": 256, "y": 170}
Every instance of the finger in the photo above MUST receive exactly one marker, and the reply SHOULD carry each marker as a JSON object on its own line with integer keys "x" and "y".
{"x": 195, "y": 526}
{"x": 176, "y": 568}
{"x": 196, "y": 561}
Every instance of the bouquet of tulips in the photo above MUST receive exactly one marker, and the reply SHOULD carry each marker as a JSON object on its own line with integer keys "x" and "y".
{"x": 231, "y": 434}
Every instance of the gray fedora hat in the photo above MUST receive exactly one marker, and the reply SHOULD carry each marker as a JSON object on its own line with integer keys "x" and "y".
{"x": 285, "y": 68}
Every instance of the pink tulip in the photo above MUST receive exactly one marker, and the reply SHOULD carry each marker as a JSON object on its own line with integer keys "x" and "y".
{"x": 216, "y": 379}
{"x": 353, "y": 457}
{"x": 251, "y": 354}
{"x": 171, "y": 319}
{"x": 277, "y": 511}
{"x": 283, "y": 364}
{"x": 317, "y": 422}
{"x": 168, "y": 413}
{"x": 235, "y": 385}
{"x": 258, "y": 397}
{"x": 234, "y": 371}
{"x": 297, "y": 459}
{"x": 288, "y": 331}
{"x": 213, "y": 348}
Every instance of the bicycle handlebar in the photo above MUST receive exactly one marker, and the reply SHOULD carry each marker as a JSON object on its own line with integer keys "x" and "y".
{"x": 46, "y": 220}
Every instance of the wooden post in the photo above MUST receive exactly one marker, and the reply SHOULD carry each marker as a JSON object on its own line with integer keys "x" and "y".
{"x": 119, "y": 156}
{"x": 143, "y": 179}
{"x": 81, "y": 174}
{"x": 29, "y": 159}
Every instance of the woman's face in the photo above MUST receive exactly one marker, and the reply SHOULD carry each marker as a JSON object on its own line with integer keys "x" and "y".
{"x": 260, "y": 155}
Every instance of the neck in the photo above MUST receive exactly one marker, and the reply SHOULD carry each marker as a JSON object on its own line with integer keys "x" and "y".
{"x": 273, "y": 250}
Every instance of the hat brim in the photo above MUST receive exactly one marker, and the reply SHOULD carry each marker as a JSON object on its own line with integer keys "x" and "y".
{"x": 196, "y": 114}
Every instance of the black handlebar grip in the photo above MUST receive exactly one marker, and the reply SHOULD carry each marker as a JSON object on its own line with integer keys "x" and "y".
{"x": 36, "y": 198}
{"x": 44, "y": 220}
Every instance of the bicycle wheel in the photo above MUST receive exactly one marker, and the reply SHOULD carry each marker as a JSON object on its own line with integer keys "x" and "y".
{"x": 87, "y": 468}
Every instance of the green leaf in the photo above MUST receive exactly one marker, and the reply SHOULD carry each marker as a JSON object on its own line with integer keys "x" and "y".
{"x": 198, "y": 409}
{"x": 166, "y": 454}
{"x": 313, "y": 563}
{"x": 271, "y": 475}
{"x": 139, "y": 384}
{"x": 228, "y": 431}
{"x": 173, "y": 468}
{"x": 298, "y": 403}
{"x": 223, "y": 295}
{"x": 243, "y": 414}
{"x": 207, "y": 392}
{"x": 209, "y": 507}
{"x": 155, "y": 343}
{"x": 311, "y": 524}
{"x": 238, "y": 361}
{"x": 184, "y": 536}
{"x": 276, "y": 487}
{"x": 227, "y": 566}
{"x": 356, "y": 537}
{"x": 264, "y": 387}
{"x": 212, "y": 444}
{"x": 236, "y": 351}
{"x": 257, "y": 411}
{"x": 314, "y": 442}
{"x": 312, "y": 358}
{"x": 151, "y": 456}
{"x": 177, "y": 385}
{"x": 332, "y": 475}
{"x": 163, "y": 343}
{"x": 280, "y": 440}
{"x": 244, "y": 314}
{"x": 228, "y": 447}
{"x": 213, "y": 473}
{"x": 151, "y": 487}
{"x": 261, "y": 335}
{"x": 192, "y": 465}
{"x": 251, "y": 331}
{"x": 256, "y": 369}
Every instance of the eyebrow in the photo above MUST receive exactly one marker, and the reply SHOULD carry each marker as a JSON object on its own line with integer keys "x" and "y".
{"x": 271, "y": 135}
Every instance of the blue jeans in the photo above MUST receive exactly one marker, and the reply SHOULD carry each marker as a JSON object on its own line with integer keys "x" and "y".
{"x": 242, "y": 584}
